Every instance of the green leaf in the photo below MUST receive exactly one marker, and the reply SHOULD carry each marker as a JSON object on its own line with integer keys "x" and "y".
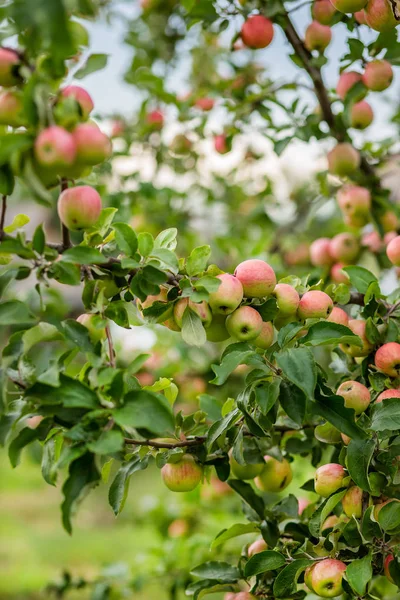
{"x": 71, "y": 393}
{"x": 83, "y": 476}
{"x": 7, "y": 180}
{"x": 386, "y": 415}
{"x": 268, "y": 310}
{"x": 360, "y": 278}
{"x": 323, "y": 512}
{"x": 298, "y": 365}
{"x": 109, "y": 442}
{"x": 285, "y": 583}
{"x": 267, "y": 393}
{"x": 166, "y": 258}
{"x": 249, "y": 496}
{"x": 145, "y": 243}
{"x": 359, "y": 574}
{"x": 18, "y": 222}
{"x": 197, "y": 261}
{"x": 94, "y": 62}
{"x": 15, "y": 312}
{"x": 222, "y": 426}
{"x": 146, "y": 410}
{"x": 359, "y": 455}
{"x": 83, "y": 255}
{"x": 13, "y": 142}
{"x": 167, "y": 239}
{"x": 239, "y": 354}
{"x": 25, "y": 437}
{"x": 126, "y": 238}
{"x": 39, "y": 240}
{"x": 332, "y": 409}
{"x": 293, "y": 401}
{"x": 326, "y": 333}
{"x": 234, "y": 531}
{"x": 120, "y": 486}
{"x": 263, "y": 562}
{"x": 50, "y": 456}
{"x": 389, "y": 516}
{"x": 77, "y": 334}
{"x": 219, "y": 571}
{"x": 193, "y": 331}
{"x": 44, "y": 332}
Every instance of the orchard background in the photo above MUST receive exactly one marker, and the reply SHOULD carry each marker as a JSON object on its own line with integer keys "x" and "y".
{"x": 200, "y": 308}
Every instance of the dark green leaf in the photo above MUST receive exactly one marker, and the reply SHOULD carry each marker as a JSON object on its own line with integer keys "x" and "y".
{"x": 360, "y": 278}
{"x": 359, "y": 574}
{"x": 263, "y": 562}
{"x": 293, "y": 401}
{"x": 83, "y": 255}
{"x": 193, "y": 331}
{"x": 94, "y": 62}
{"x": 386, "y": 415}
{"x": 120, "y": 486}
{"x": 325, "y": 333}
{"x": 219, "y": 571}
{"x": 109, "y": 442}
{"x": 285, "y": 583}
{"x": 126, "y": 238}
{"x": 298, "y": 365}
{"x": 15, "y": 312}
{"x": 234, "y": 531}
{"x": 71, "y": 393}
{"x": 146, "y": 410}
{"x": 83, "y": 476}
{"x": 359, "y": 455}
{"x": 249, "y": 496}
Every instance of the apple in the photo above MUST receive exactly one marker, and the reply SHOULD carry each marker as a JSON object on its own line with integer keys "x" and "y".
{"x": 386, "y": 569}
{"x": 356, "y": 396}
{"x": 303, "y": 503}
{"x": 245, "y": 596}
{"x": 228, "y": 296}
{"x": 256, "y": 547}
{"x": 387, "y": 359}
{"x": 343, "y": 159}
{"x": 9, "y": 62}
{"x": 346, "y": 439}
{"x": 378, "y": 75}
{"x": 344, "y": 247}
{"x": 352, "y": 502}
{"x": 257, "y": 278}
{"x": 360, "y": 17}
{"x": 338, "y": 275}
{"x": 55, "y": 147}
{"x": 244, "y": 324}
{"x": 389, "y": 221}
{"x": 96, "y": 334}
{"x": 347, "y": 80}
{"x": 387, "y": 394}
{"x": 79, "y": 207}
{"x": 34, "y": 422}
{"x": 355, "y": 202}
{"x": 320, "y": 255}
{"x": 155, "y": 119}
{"x": 182, "y": 476}
{"x": 358, "y": 327}
{"x": 221, "y": 145}
{"x": 328, "y": 479}
{"x": 287, "y": 298}
{"x": 372, "y": 241}
{"x": 317, "y": 37}
{"x": 217, "y": 331}
{"x": 201, "y": 309}
{"x": 205, "y": 104}
{"x": 315, "y": 305}
{"x": 230, "y": 596}
{"x": 92, "y": 145}
{"x": 266, "y": 338}
{"x": 349, "y": 6}
{"x": 257, "y": 32}
{"x": 393, "y": 251}
{"x": 327, "y": 576}
{"x": 361, "y": 115}
{"x": 181, "y": 145}
{"x": 327, "y": 433}
{"x": 379, "y": 15}
{"x": 323, "y": 11}
{"x": 339, "y": 316}
{"x": 275, "y": 476}
{"x": 11, "y": 108}
{"x": 297, "y": 256}
{"x": 178, "y": 528}
{"x": 330, "y": 522}
{"x": 244, "y": 472}
{"x": 308, "y": 575}
{"x": 82, "y": 98}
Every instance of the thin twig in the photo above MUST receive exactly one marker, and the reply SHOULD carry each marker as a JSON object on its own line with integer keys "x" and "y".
{"x": 66, "y": 240}
{"x": 3, "y": 215}
{"x": 197, "y": 441}
{"x": 111, "y": 350}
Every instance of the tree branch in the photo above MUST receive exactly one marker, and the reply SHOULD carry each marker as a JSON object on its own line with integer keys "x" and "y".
{"x": 197, "y": 441}
{"x": 3, "y": 216}
{"x": 111, "y": 350}
{"x": 66, "y": 240}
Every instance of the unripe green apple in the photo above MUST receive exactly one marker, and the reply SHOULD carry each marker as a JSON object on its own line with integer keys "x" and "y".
{"x": 93, "y": 146}
{"x": 327, "y": 577}
{"x": 9, "y": 62}
{"x": 387, "y": 359}
{"x": 317, "y": 37}
{"x": 386, "y": 570}
{"x": 256, "y": 547}
{"x": 308, "y": 577}
{"x": 89, "y": 321}
{"x": 320, "y": 255}
{"x": 349, "y": 6}
{"x": 315, "y": 305}
{"x": 257, "y": 32}
{"x": 265, "y": 339}
{"x": 358, "y": 327}
{"x": 344, "y": 247}
{"x": 352, "y": 502}
{"x": 201, "y": 309}
{"x": 217, "y": 331}
{"x": 339, "y": 316}
{"x": 379, "y": 15}
{"x": 11, "y": 108}
{"x": 257, "y": 278}
{"x": 327, "y": 433}
{"x": 347, "y": 80}
{"x": 343, "y": 159}
{"x": 55, "y": 147}
{"x": 387, "y": 394}
{"x": 244, "y": 472}
{"x": 287, "y": 298}
{"x": 244, "y": 324}
{"x": 275, "y": 476}
{"x": 82, "y": 98}
{"x": 329, "y": 478}
{"x": 356, "y": 396}
{"x": 228, "y": 296}
{"x": 323, "y": 11}
{"x": 79, "y": 207}
{"x": 393, "y": 251}
{"x": 378, "y": 75}
{"x": 389, "y": 221}
{"x": 361, "y": 115}
{"x": 182, "y": 476}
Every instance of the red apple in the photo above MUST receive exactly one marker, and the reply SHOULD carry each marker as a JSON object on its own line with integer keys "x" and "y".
{"x": 182, "y": 476}
{"x": 257, "y": 278}
{"x": 387, "y": 359}
{"x": 55, "y": 147}
{"x": 81, "y": 96}
{"x": 79, "y": 207}
{"x": 257, "y": 32}
{"x": 378, "y": 75}
{"x": 92, "y": 145}
{"x": 329, "y": 478}
{"x": 317, "y": 37}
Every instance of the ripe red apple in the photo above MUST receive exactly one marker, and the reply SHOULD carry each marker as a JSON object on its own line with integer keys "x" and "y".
{"x": 328, "y": 479}
{"x": 275, "y": 476}
{"x": 92, "y": 145}
{"x": 228, "y": 296}
{"x": 89, "y": 321}
{"x": 9, "y": 62}
{"x": 201, "y": 309}
{"x": 155, "y": 119}
{"x": 79, "y": 207}
{"x": 244, "y": 324}
{"x": 356, "y": 396}
{"x": 338, "y": 275}
{"x": 205, "y": 104}
{"x": 257, "y": 278}
{"x": 343, "y": 159}
{"x": 386, "y": 570}
{"x": 287, "y": 298}
{"x": 217, "y": 331}
{"x": 256, "y": 547}
{"x": 344, "y": 247}
{"x": 327, "y": 577}
{"x": 392, "y": 393}
{"x": 360, "y": 17}
{"x": 372, "y": 241}
{"x": 244, "y": 472}
{"x": 34, "y": 422}
{"x": 378, "y": 75}
{"x": 257, "y": 32}
{"x": 387, "y": 359}
{"x": 323, "y": 11}
{"x": 315, "y": 305}
{"x": 393, "y": 251}
{"x": 349, "y": 6}
{"x": 182, "y": 476}
{"x": 55, "y": 147}
{"x": 220, "y": 144}
{"x": 11, "y": 107}
{"x": 352, "y": 502}
{"x": 265, "y": 338}
{"x": 346, "y": 81}
{"x": 317, "y": 37}
{"x": 358, "y": 327}
{"x": 379, "y": 15}
{"x": 355, "y": 202}
{"x": 320, "y": 255}
{"x": 361, "y": 115}
{"x": 81, "y": 96}
{"x": 339, "y": 316}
